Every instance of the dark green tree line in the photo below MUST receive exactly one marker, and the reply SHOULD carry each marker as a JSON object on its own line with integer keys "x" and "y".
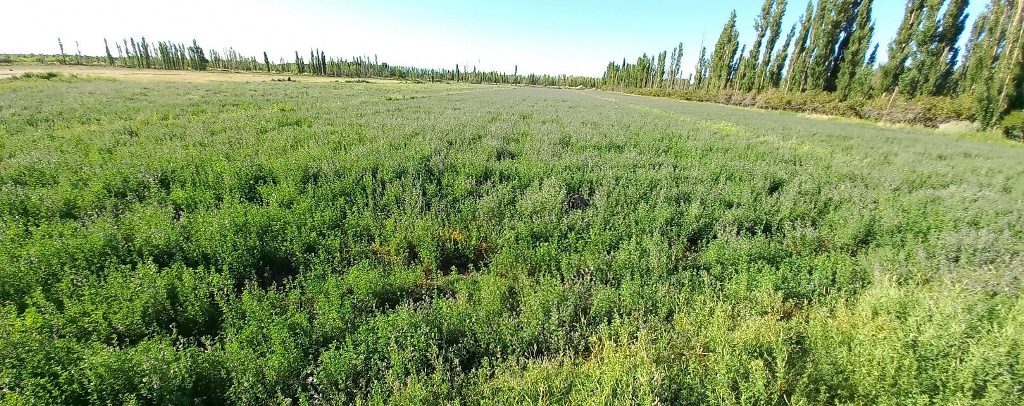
{"x": 832, "y": 50}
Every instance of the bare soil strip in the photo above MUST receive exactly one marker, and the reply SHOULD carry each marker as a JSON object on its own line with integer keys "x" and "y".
{"x": 156, "y": 75}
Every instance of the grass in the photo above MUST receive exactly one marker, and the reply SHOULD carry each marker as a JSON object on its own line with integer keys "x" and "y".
{"x": 318, "y": 243}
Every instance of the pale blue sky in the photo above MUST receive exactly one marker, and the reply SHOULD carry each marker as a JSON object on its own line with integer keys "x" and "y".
{"x": 568, "y": 36}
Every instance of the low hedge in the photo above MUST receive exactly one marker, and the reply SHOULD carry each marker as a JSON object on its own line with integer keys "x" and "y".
{"x": 1013, "y": 125}
{"x": 927, "y": 111}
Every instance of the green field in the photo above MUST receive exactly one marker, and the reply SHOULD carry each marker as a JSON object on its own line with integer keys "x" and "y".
{"x": 321, "y": 243}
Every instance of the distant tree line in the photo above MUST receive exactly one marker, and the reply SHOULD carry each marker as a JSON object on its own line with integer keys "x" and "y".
{"x": 831, "y": 50}
{"x": 826, "y": 62}
{"x": 132, "y": 53}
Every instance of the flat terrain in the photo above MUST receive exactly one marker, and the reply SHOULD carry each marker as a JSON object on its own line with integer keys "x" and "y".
{"x": 255, "y": 242}
{"x": 154, "y": 75}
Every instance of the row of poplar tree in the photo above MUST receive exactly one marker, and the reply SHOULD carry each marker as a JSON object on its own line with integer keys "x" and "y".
{"x": 176, "y": 56}
{"x": 831, "y": 49}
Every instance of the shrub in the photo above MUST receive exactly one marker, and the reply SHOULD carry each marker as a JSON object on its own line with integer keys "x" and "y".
{"x": 49, "y": 75}
{"x": 928, "y": 111}
{"x": 1013, "y": 125}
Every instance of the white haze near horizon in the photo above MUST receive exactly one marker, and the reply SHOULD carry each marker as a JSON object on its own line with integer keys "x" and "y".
{"x": 253, "y": 27}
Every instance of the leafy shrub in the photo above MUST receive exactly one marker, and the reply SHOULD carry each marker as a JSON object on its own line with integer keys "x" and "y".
{"x": 1013, "y": 125}
{"x": 925, "y": 111}
{"x": 48, "y": 75}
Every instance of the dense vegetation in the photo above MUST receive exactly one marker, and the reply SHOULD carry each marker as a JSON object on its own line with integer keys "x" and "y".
{"x": 317, "y": 243}
{"x": 827, "y": 63}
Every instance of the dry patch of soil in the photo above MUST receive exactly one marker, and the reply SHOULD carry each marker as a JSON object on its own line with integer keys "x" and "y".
{"x": 156, "y": 75}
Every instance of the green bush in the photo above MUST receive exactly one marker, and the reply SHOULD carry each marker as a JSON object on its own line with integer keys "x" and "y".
{"x": 48, "y": 75}
{"x": 1013, "y": 125}
{"x": 928, "y": 111}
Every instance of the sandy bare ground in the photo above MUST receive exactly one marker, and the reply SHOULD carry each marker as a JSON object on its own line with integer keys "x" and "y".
{"x": 156, "y": 75}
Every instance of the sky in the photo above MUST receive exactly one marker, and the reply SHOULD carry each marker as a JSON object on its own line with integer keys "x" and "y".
{"x": 551, "y": 37}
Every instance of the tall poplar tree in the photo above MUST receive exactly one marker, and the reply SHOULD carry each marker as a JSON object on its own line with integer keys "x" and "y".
{"x": 63, "y": 56}
{"x": 144, "y": 48}
{"x": 934, "y": 53}
{"x": 901, "y": 47}
{"x": 821, "y": 45}
{"x": 831, "y": 35}
{"x": 853, "y": 59}
{"x": 300, "y": 67}
{"x": 797, "y": 74}
{"x": 702, "y": 70}
{"x": 954, "y": 21}
{"x": 659, "y": 71}
{"x": 989, "y": 73}
{"x": 749, "y": 71}
{"x": 110, "y": 57}
{"x": 678, "y": 62}
{"x": 1011, "y": 66}
{"x": 722, "y": 67}
{"x": 775, "y": 32}
{"x": 737, "y": 70}
{"x": 775, "y": 73}
{"x": 197, "y": 57}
